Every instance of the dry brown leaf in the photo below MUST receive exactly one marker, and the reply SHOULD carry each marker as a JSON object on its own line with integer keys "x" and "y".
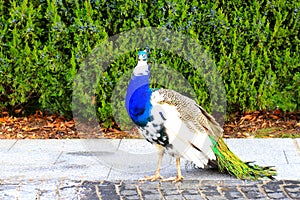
{"x": 247, "y": 117}
{"x": 3, "y": 119}
{"x": 274, "y": 116}
{"x": 264, "y": 125}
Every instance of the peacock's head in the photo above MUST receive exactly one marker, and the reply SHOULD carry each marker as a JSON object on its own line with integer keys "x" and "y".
{"x": 142, "y": 67}
{"x": 142, "y": 56}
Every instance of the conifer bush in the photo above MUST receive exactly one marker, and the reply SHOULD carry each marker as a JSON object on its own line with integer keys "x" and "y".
{"x": 255, "y": 46}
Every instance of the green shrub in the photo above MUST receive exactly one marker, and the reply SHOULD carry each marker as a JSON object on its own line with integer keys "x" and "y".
{"x": 255, "y": 46}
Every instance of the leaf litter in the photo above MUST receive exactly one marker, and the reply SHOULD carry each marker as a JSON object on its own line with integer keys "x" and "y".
{"x": 258, "y": 124}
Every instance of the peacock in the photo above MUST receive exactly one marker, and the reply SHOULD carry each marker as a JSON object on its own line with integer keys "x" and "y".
{"x": 177, "y": 125}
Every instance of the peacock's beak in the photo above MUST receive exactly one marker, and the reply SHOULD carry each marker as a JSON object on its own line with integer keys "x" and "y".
{"x": 141, "y": 57}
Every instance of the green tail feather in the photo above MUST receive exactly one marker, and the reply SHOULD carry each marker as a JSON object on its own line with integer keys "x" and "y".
{"x": 229, "y": 162}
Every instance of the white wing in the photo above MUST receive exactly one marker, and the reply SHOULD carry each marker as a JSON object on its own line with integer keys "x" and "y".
{"x": 186, "y": 124}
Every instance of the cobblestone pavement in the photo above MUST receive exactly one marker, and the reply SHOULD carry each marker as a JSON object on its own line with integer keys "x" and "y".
{"x": 189, "y": 189}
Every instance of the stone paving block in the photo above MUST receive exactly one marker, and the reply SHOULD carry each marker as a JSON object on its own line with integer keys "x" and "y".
{"x": 210, "y": 191}
{"x": 68, "y": 193}
{"x": 129, "y": 163}
{"x": 274, "y": 143}
{"x": 216, "y": 198}
{"x": 191, "y": 196}
{"x": 262, "y": 153}
{"x": 137, "y": 166}
{"x": 291, "y": 182}
{"x": 131, "y": 193}
{"x": 132, "y": 198}
{"x": 87, "y": 190}
{"x": 54, "y": 166}
{"x": 100, "y": 145}
{"x": 37, "y": 145}
{"x": 49, "y": 184}
{"x": 273, "y": 190}
{"x": 79, "y": 158}
{"x": 173, "y": 197}
{"x": 79, "y": 172}
{"x": 69, "y": 189}
{"x": 223, "y": 189}
{"x": 188, "y": 184}
{"x": 107, "y": 190}
{"x": 106, "y": 153}
{"x": 297, "y": 142}
{"x": 169, "y": 191}
{"x": 292, "y": 156}
{"x": 252, "y": 192}
{"x": 67, "y": 145}
{"x": 290, "y": 171}
{"x": 28, "y": 190}
{"x": 132, "y": 167}
{"x": 46, "y": 195}
{"x": 139, "y": 170}
{"x": 43, "y": 172}
{"x": 28, "y": 158}
{"x": 137, "y": 146}
{"x": 128, "y": 190}
{"x": 71, "y": 145}
{"x": 6, "y": 145}
{"x": 150, "y": 191}
{"x": 293, "y": 191}
{"x": 204, "y": 174}
{"x": 70, "y": 183}
{"x": 189, "y": 189}
{"x": 8, "y": 191}
{"x": 231, "y": 192}
{"x": 151, "y": 196}
{"x": 230, "y": 182}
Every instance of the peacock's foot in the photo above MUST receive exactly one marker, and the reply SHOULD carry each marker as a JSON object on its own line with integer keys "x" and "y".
{"x": 173, "y": 179}
{"x": 155, "y": 177}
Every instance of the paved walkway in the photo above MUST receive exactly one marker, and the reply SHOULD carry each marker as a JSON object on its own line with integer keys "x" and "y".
{"x": 109, "y": 169}
{"x": 111, "y": 190}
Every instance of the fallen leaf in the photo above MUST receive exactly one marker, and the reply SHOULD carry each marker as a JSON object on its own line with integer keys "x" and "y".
{"x": 264, "y": 125}
{"x": 5, "y": 113}
{"x": 274, "y": 116}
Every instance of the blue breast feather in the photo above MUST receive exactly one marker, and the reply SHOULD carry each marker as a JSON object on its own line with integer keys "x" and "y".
{"x": 139, "y": 109}
{"x": 138, "y": 100}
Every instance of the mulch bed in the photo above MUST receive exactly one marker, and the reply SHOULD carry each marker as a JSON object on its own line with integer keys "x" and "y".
{"x": 260, "y": 124}
{"x": 263, "y": 124}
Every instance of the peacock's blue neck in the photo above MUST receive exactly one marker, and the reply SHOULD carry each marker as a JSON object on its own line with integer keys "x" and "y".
{"x": 138, "y": 98}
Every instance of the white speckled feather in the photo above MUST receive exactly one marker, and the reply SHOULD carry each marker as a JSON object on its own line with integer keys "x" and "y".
{"x": 185, "y": 137}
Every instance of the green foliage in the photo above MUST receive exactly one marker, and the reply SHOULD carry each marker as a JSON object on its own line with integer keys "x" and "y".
{"x": 43, "y": 43}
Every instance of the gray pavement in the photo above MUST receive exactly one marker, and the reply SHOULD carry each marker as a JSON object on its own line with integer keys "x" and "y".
{"x": 109, "y": 169}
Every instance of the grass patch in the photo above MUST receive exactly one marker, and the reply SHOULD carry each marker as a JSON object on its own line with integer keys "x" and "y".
{"x": 276, "y": 132}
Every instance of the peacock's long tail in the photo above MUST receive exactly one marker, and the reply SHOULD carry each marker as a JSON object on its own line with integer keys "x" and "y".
{"x": 229, "y": 162}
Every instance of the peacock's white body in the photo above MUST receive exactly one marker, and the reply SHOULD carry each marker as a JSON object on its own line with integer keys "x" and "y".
{"x": 172, "y": 127}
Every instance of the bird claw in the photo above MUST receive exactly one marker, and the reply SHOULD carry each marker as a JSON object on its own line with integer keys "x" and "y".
{"x": 151, "y": 178}
{"x": 173, "y": 179}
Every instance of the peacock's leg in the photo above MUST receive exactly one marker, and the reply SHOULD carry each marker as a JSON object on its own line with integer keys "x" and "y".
{"x": 157, "y": 175}
{"x": 179, "y": 176}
